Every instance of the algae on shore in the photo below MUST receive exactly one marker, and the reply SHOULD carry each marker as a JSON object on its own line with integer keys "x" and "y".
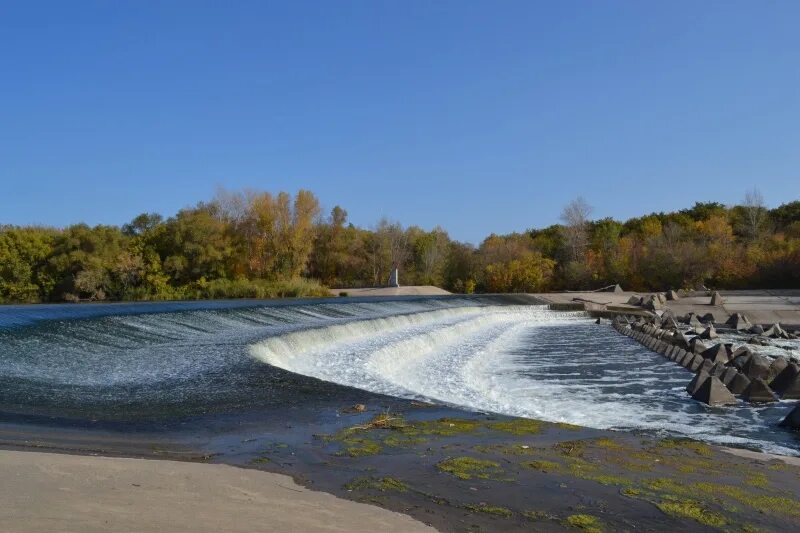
{"x": 585, "y": 522}
{"x": 382, "y": 484}
{"x": 470, "y": 467}
{"x": 671, "y": 474}
{"x": 490, "y": 509}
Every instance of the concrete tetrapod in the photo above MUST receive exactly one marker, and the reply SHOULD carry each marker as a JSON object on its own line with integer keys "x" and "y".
{"x": 713, "y": 392}
{"x": 792, "y": 390}
{"x": 756, "y": 367}
{"x": 697, "y": 380}
{"x": 792, "y": 420}
{"x": 738, "y": 384}
{"x": 777, "y": 366}
{"x": 759, "y": 392}
{"x": 717, "y": 299}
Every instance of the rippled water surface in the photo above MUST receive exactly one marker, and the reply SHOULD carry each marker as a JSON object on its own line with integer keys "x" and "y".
{"x": 511, "y": 359}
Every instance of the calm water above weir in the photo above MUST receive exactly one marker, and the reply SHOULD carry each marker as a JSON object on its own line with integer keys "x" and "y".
{"x": 145, "y": 361}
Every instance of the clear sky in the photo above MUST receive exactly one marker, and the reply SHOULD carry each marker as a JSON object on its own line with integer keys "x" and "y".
{"x": 478, "y": 116}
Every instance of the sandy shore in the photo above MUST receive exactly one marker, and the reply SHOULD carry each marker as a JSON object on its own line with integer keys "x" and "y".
{"x": 760, "y": 306}
{"x": 761, "y": 456}
{"x": 418, "y": 290}
{"x": 53, "y": 492}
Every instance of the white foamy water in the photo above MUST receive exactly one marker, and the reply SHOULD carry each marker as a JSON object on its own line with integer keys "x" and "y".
{"x": 523, "y": 361}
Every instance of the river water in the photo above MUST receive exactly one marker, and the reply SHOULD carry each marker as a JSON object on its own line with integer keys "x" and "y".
{"x": 145, "y": 361}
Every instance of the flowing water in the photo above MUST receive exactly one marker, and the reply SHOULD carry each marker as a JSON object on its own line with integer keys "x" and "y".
{"x": 145, "y": 360}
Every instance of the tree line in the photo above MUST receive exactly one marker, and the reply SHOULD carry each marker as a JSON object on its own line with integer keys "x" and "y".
{"x": 256, "y": 244}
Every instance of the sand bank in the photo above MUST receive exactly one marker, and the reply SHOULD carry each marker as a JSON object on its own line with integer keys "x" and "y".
{"x": 48, "y": 492}
{"x": 760, "y": 306}
{"x": 418, "y": 290}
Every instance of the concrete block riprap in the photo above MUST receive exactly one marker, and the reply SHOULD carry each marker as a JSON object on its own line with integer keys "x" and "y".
{"x": 713, "y": 392}
{"x": 777, "y": 366}
{"x": 792, "y": 390}
{"x": 672, "y": 295}
{"x": 717, "y": 299}
{"x": 709, "y": 333}
{"x": 738, "y": 383}
{"x": 786, "y": 381}
{"x": 739, "y": 322}
{"x": 759, "y": 392}
{"x": 775, "y": 332}
{"x": 756, "y": 367}
{"x": 708, "y": 318}
{"x": 690, "y": 338}
{"x": 695, "y": 362}
{"x": 696, "y": 346}
{"x": 792, "y": 420}
{"x": 696, "y": 381}
{"x": 728, "y": 375}
{"x": 717, "y": 370}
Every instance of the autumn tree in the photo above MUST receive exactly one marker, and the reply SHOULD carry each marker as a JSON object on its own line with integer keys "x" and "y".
{"x": 575, "y": 217}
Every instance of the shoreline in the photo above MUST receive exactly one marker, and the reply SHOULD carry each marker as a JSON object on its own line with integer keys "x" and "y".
{"x": 446, "y": 467}
{"x": 89, "y": 493}
{"x": 451, "y": 468}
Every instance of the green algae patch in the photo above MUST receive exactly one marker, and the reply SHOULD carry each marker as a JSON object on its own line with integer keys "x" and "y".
{"x": 779, "y": 466}
{"x": 260, "y": 460}
{"x": 517, "y": 426}
{"x": 384, "y": 484}
{"x": 633, "y": 466}
{"x": 696, "y": 462}
{"x": 671, "y": 474}
{"x": 570, "y": 448}
{"x": 585, "y": 522}
{"x": 771, "y": 504}
{"x": 490, "y": 509}
{"x": 568, "y": 427}
{"x": 692, "y": 510}
{"x": 447, "y": 427}
{"x": 608, "y": 479}
{"x": 609, "y": 444}
{"x": 633, "y": 492}
{"x": 395, "y": 431}
{"x": 505, "y": 449}
{"x": 580, "y": 467}
{"x": 469, "y": 467}
{"x": 542, "y": 466}
{"x": 686, "y": 444}
{"x": 360, "y": 448}
{"x": 757, "y": 480}
{"x": 401, "y": 441}
{"x": 763, "y": 503}
{"x": 668, "y": 485}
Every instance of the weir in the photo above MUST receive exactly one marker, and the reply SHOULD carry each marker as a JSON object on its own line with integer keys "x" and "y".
{"x": 501, "y": 354}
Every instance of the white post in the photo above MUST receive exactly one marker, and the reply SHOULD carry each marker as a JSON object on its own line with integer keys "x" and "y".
{"x": 394, "y": 278}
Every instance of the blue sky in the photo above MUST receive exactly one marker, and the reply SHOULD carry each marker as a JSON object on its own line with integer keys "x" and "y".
{"x": 478, "y": 116}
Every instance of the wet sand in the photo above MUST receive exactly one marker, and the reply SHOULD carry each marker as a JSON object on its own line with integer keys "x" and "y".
{"x": 57, "y": 492}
